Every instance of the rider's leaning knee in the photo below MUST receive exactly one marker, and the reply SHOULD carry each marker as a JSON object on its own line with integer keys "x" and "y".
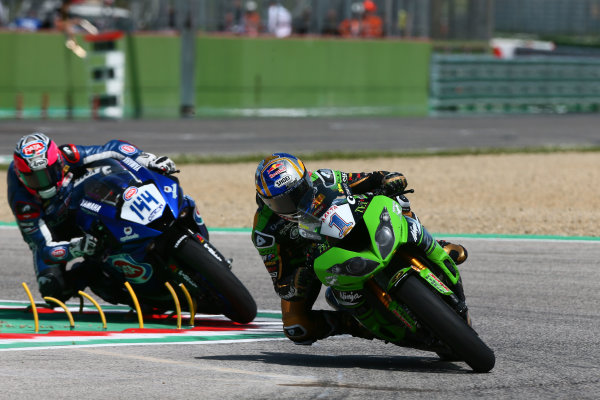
{"x": 51, "y": 283}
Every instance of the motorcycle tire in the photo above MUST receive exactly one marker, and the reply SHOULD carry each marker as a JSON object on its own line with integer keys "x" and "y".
{"x": 446, "y": 324}
{"x": 237, "y": 303}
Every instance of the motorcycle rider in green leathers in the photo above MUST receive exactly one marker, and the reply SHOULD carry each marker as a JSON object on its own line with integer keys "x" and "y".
{"x": 281, "y": 181}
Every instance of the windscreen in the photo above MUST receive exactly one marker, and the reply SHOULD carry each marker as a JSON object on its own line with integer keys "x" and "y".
{"x": 104, "y": 182}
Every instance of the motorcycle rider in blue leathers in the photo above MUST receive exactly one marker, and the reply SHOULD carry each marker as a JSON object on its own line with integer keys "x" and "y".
{"x": 40, "y": 180}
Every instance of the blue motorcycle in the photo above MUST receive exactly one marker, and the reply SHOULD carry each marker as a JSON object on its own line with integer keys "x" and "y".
{"x": 147, "y": 235}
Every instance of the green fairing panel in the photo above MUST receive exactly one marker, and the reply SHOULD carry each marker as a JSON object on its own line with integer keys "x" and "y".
{"x": 397, "y": 221}
{"x": 337, "y": 255}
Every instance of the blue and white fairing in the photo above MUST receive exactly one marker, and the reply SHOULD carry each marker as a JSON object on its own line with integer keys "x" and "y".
{"x": 130, "y": 201}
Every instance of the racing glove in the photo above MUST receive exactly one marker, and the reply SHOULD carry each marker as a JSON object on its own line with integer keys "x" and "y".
{"x": 393, "y": 184}
{"x": 83, "y": 246}
{"x": 162, "y": 164}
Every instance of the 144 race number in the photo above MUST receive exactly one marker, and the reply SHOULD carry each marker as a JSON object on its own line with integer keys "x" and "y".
{"x": 142, "y": 204}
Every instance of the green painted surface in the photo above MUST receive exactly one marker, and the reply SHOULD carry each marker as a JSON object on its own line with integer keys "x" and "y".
{"x": 118, "y": 319}
{"x": 34, "y": 64}
{"x": 312, "y": 73}
{"x": 17, "y": 328}
{"x": 234, "y": 76}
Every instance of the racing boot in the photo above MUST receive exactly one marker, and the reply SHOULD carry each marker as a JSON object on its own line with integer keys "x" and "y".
{"x": 110, "y": 288}
{"x": 457, "y": 252}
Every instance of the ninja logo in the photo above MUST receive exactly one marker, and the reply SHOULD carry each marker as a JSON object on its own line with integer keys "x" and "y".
{"x": 414, "y": 232}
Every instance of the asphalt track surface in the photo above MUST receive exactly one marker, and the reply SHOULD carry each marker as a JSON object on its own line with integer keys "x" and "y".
{"x": 534, "y": 302}
{"x": 261, "y": 136}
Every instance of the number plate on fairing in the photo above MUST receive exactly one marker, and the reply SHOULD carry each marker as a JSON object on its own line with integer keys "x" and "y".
{"x": 142, "y": 204}
{"x": 337, "y": 221}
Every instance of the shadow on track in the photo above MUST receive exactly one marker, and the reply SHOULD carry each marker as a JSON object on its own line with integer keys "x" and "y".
{"x": 391, "y": 363}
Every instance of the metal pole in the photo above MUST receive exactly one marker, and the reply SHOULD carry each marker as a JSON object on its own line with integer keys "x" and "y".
{"x": 388, "y": 31}
{"x": 187, "y": 28}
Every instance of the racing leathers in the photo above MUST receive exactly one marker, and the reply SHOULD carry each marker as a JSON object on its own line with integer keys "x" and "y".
{"x": 46, "y": 224}
{"x": 287, "y": 258}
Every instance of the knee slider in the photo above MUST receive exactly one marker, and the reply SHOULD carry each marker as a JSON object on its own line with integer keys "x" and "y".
{"x": 51, "y": 285}
{"x": 297, "y": 334}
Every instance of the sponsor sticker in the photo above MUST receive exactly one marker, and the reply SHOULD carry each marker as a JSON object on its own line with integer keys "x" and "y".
{"x": 33, "y": 149}
{"x": 129, "y": 193}
{"x": 38, "y": 163}
{"x": 88, "y": 205}
{"x": 134, "y": 271}
{"x": 132, "y": 164}
{"x": 276, "y": 169}
{"x": 414, "y": 232}
{"x": 127, "y": 149}
{"x": 282, "y": 182}
{"x": 129, "y": 234}
{"x": 58, "y": 253}
{"x": 263, "y": 240}
{"x": 349, "y": 298}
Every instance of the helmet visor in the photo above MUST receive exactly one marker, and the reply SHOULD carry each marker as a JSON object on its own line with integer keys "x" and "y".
{"x": 42, "y": 178}
{"x": 286, "y": 204}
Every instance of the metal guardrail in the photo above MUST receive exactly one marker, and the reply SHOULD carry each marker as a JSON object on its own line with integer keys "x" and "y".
{"x": 485, "y": 84}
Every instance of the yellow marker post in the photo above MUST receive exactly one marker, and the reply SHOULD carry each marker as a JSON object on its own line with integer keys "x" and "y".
{"x": 95, "y": 303}
{"x": 64, "y": 307}
{"x": 136, "y": 304}
{"x": 33, "y": 308}
{"x": 177, "y": 306}
{"x": 190, "y": 304}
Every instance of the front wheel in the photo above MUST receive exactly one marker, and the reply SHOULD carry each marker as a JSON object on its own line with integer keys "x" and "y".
{"x": 234, "y": 300}
{"x": 446, "y": 325}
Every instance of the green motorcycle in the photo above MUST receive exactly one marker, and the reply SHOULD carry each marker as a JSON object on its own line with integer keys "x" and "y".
{"x": 363, "y": 253}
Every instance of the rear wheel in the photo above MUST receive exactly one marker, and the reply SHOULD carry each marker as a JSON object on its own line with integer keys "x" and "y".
{"x": 446, "y": 325}
{"x": 227, "y": 292}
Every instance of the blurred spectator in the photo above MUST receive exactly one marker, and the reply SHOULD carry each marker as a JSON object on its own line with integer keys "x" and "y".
{"x": 364, "y": 22}
{"x": 251, "y": 19}
{"x": 228, "y": 23}
{"x": 330, "y": 25}
{"x": 351, "y": 27}
{"x": 232, "y": 20}
{"x": 28, "y": 23}
{"x": 64, "y": 20}
{"x": 3, "y": 15}
{"x": 279, "y": 21}
{"x": 403, "y": 22}
{"x": 372, "y": 24}
{"x": 302, "y": 23}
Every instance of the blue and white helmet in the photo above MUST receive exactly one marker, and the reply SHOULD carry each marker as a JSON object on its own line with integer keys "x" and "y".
{"x": 282, "y": 181}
